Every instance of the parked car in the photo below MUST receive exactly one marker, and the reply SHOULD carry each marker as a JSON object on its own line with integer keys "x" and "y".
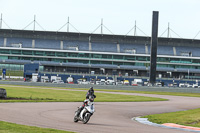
{"x": 98, "y": 82}
{"x": 85, "y": 83}
{"x": 195, "y": 86}
{"x": 159, "y": 84}
{"x": 137, "y": 82}
{"x": 146, "y": 83}
{"x": 126, "y": 82}
{"x": 102, "y": 82}
{"x": 189, "y": 86}
{"x": 110, "y": 82}
{"x": 119, "y": 83}
{"x": 58, "y": 81}
{"x": 183, "y": 85}
{"x": 173, "y": 85}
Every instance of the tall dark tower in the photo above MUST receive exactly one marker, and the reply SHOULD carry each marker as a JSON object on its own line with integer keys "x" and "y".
{"x": 154, "y": 42}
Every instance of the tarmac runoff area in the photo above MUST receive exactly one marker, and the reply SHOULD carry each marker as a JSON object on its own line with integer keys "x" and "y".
{"x": 110, "y": 117}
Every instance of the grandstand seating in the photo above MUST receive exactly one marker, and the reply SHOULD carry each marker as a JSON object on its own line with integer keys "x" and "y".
{"x": 48, "y": 63}
{"x": 140, "y": 48}
{"x": 24, "y": 41}
{"x": 194, "y": 70}
{"x": 165, "y": 69}
{"x": 104, "y": 47}
{"x": 47, "y": 43}
{"x": 15, "y": 61}
{"x": 194, "y": 50}
{"x": 104, "y": 66}
{"x": 75, "y": 64}
{"x": 101, "y": 47}
{"x": 165, "y": 50}
{"x": 61, "y": 64}
{"x": 186, "y": 70}
{"x": 133, "y": 67}
{"x": 82, "y": 45}
{"x": 1, "y": 41}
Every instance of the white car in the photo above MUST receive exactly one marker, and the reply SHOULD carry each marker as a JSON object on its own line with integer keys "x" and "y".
{"x": 184, "y": 85}
{"x": 110, "y": 82}
{"x": 58, "y": 81}
{"x": 189, "y": 86}
{"x": 195, "y": 86}
{"x": 98, "y": 82}
{"x": 119, "y": 83}
{"x": 85, "y": 83}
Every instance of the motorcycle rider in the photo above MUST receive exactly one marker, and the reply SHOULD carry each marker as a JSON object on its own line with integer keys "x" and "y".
{"x": 89, "y": 97}
{"x": 90, "y": 93}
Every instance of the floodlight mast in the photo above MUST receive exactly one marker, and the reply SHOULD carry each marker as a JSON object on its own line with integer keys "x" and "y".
{"x": 135, "y": 29}
{"x": 68, "y": 25}
{"x": 154, "y": 42}
{"x": 1, "y": 21}
{"x": 101, "y": 26}
{"x": 34, "y": 23}
{"x": 168, "y": 31}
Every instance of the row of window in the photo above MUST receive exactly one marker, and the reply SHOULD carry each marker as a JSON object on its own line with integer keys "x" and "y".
{"x": 12, "y": 67}
{"x": 93, "y": 62}
{"x": 85, "y": 56}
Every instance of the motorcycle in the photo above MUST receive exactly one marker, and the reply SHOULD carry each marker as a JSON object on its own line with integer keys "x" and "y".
{"x": 85, "y": 114}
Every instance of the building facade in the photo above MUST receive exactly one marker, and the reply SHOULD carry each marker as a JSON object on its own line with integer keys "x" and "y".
{"x": 97, "y": 53}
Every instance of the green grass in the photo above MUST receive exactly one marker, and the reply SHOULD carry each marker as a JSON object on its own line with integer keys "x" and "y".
{"x": 142, "y": 92}
{"x": 188, "y": 118}
{"x": 6, "y": 127}
{"x": 156, "y": 92}
{"x": 43, "y": 94}
{"x": 36, "y": 94}
{"x": 126, "y": 91}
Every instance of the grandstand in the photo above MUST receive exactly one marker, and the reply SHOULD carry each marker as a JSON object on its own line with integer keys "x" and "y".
{"x": 83, "y": 53}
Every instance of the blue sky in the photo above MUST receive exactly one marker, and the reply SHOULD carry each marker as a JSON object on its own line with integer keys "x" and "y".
{"x": 118, "y": 16}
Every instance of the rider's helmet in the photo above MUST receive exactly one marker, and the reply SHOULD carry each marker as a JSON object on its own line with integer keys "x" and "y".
{"x": 91, "y": 98}
{"x": 91, "y": 88}
{"x": 91, "y": 91}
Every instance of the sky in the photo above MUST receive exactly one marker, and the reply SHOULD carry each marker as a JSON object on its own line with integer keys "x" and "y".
{"x": 119, "y": 16}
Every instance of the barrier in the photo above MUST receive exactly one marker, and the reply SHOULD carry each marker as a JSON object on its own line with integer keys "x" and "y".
{"x": 3, "y": 93}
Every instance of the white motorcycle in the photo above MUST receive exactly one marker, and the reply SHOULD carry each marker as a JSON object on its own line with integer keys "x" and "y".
{"x": 85, "y": 114}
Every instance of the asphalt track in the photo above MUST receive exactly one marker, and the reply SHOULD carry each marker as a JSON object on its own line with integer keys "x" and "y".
{"x": 109, "y": 117}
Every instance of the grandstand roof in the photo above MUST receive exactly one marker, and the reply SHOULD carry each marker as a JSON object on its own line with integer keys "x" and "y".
{"x": 96, "y": 37}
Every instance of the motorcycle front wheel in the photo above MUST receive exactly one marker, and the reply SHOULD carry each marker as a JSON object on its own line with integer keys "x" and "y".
{"x": 75, "y": 117}
{"x": 86, "y": 118}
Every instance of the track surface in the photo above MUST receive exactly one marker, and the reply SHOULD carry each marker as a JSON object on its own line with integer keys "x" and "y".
{"x": 108, "y": 118}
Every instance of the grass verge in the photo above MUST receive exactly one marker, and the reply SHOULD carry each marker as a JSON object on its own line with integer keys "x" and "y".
{"x": 35, "y": 94}
{"x": 156, "y": 92}
{"x": 125, "y": 91}
{"x": 7, "y": 127}
{"x": 187, "y": 118}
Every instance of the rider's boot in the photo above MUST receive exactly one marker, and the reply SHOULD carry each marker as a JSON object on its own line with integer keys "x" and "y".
{"x": 79, "y": 110}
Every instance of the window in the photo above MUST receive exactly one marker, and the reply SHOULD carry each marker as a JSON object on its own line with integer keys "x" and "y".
{"x": 2, "y": 51}
{"x": 117, "y": 56}
{"x": 39, "y": 53}
{"x": 50, "y": 53}
{"x": 27, "y": 52}
{"x": 16, "y": 52}
{"x": 59, "y": 54}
